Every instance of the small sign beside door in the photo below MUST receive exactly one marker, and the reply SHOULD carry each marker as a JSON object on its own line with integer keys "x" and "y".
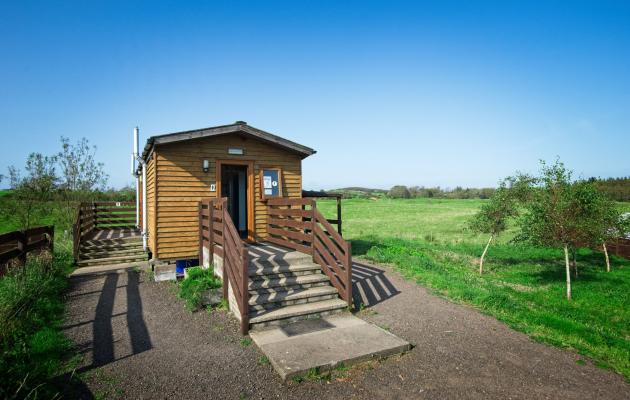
{"x": 271, "y": 179}
{"x": 213, "y": 187}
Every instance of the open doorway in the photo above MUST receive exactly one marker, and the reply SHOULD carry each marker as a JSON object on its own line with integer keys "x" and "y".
{"x": 235, "y": 186}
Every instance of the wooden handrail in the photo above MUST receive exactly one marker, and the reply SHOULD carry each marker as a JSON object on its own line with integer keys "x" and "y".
{"x": 306, "y": 230}
{"x": 218, "y": 234}
{"x": 18, "y": 244}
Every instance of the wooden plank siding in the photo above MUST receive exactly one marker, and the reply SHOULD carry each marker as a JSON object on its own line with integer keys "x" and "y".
{"x": 181, "y": 183}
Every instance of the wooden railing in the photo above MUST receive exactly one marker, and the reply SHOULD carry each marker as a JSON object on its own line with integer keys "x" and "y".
{"x": 218, "y": 234}
{"x": 619, "y": 247}
{"x": 298, "y": 224}
{"x": 114, "y": 214}
{"x": 84, "y": 223}
{"x": 103, "y": 215}
{"x": 18, "y": 244}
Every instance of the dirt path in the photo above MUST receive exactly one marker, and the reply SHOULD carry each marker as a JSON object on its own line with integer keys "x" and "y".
{"x": 140, "y": 342}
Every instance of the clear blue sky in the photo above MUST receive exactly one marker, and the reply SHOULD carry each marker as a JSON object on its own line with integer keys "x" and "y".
{"x": 417, "y": 93}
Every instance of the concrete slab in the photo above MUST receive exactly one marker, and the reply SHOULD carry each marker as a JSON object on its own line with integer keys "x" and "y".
{"x": 325, "y": 343}
{"x": 105, "y": 269}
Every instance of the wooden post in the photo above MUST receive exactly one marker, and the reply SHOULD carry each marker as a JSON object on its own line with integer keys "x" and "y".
{"x": 210, "y": 205}
{"x": 313, "y": 224}
{"x": 224, "y": 268}
{"x": 51, "y": 241}
{"x": 339, "y": 214}
{"x": 348, "y": 262}
{"x": 244, "y": 292}
{"x": 22, "y": 244}
{"x": 200, "y": 227}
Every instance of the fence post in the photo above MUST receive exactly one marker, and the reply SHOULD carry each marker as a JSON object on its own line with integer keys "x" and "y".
{"x": 244, "y": 292}
{"x": 210, "y": 204}
{"x": 339, "y": 215}
{"x": 51, "y": 241}
{"x": 224, "y": 266}
{"x": 348, "y": 262}
{"x": 200, "y": 227}
{"x": 313, "y": 223}
{"x": 22, "y": 245}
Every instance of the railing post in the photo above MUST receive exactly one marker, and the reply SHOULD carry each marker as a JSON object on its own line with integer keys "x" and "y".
{"x": 244, "y": 292}
{"x": 210, "y": 205}
{"x": 200, "y": 227}
{"x": 51, "y": 241}
{"x": 348, "y": 262}
{"x": 339, "y": 215}
{"x": 225, "y": 256}
{"x": 22, "y": 245}
{"x": 313, "y": 223}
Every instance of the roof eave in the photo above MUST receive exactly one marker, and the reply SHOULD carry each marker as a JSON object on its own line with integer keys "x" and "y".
{"x": 297, "y": 148}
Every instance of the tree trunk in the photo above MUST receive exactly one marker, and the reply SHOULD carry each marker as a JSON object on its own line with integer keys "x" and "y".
{"x": 574, "y": 262}
{"x": 483, "y": 255}
{"x": 568, "y": 269}
{"x": 607, "y": 259}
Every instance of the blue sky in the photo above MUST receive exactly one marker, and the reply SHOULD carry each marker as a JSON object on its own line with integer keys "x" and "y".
{"x": 417, "y": 93}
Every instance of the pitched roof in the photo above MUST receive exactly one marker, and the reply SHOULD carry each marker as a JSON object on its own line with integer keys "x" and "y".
{"x": 240, "y": 127}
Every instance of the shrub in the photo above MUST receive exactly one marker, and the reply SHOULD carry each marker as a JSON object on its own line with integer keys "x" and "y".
{"x": 199, "y": 281}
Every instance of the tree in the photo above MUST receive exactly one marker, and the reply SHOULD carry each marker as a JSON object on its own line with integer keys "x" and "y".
{"x": 81, "y": 176}
{"x": 493, "y": 216}
{"x": 399, "y": 192}
{"x": 560, "y": 213}
{"x": 27, "y": 202}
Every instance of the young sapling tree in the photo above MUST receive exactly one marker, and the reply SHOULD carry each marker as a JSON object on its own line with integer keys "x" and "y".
{"x": 493, "y": 216}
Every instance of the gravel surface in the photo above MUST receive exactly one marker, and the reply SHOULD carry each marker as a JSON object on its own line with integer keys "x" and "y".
{"x": 139, "y": 341}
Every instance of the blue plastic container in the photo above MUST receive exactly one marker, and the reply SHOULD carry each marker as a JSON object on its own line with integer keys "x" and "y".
{"x": 180, "y": 265}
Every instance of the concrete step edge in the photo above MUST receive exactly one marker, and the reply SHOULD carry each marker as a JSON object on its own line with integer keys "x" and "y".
{"x": 280, "y": 297}
{"x": 289, "y": 281}
{"x": 296, "y": 311}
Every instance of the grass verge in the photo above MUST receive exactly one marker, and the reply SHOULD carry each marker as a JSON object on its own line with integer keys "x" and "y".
{"x": 524, "y": 287}
{"x": 35, "y": 353}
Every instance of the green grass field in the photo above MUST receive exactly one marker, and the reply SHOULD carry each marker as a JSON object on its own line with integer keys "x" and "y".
{"x": 428, "y": 242}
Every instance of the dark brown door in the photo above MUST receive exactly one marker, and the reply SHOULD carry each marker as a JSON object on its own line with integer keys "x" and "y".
{"x": 234, "y": 187}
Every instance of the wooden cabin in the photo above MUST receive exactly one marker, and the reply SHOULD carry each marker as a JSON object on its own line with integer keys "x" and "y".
{"x": 242, "y": 163}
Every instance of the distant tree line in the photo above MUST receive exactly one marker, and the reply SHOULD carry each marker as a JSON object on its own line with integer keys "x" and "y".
{"x": 617, "y": 189}
{"x": 404, "y": 192}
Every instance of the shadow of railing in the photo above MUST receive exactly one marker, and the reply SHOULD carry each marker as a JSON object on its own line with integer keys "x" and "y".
{"x": 102, "y": 345}
{"x": 370, "y": 286}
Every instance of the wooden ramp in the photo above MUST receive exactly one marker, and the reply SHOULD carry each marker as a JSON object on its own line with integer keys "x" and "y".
{"x": 104, "y": 233}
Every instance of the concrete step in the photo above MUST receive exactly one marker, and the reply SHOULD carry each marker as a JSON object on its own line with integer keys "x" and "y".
{"x": 300, "y": 296}
{"x": 84, "y": 255}
{"x": 278, "y": 259}
{"x": 279, "y": 289}
{"x": 291, "y": 282}
{"x": 288, "y": 314}
{"x": 259, "y": 272}
{"x": 112, "y": 260}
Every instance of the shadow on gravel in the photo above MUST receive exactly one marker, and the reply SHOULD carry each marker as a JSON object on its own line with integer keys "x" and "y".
{"x": 102, "y": 330}
{"x": 370, "y": 286}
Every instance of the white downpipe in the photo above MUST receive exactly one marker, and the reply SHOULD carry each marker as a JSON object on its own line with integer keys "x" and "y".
{"x": 134, "y": 173}
{"x": 144, "y": 205}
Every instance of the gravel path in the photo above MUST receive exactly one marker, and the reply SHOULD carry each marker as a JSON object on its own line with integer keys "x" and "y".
{"x": 139, "y": 341}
